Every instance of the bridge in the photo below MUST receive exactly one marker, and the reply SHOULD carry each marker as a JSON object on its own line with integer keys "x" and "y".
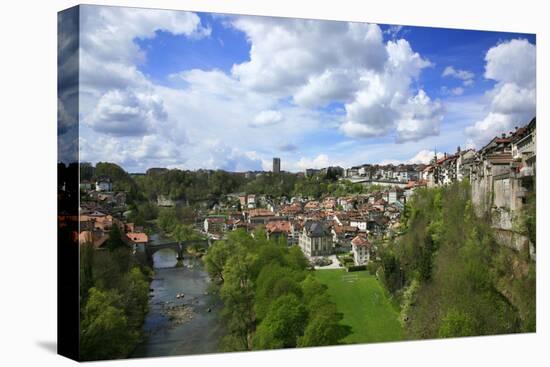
{"x": 179, "y": 248}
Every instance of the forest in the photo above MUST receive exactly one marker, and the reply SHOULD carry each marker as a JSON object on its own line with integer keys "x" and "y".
{"x": 271, "y": 298}
{"x": 451, "y": 276}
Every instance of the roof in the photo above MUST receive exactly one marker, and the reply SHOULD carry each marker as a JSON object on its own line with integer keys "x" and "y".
{"x": 217, "y": 219}
{"x": 260, "y": 213}
{"x": 137, "y": 237}
{"x": 278, "y": 226}
{"x": 316, "y": 228}
{"x": 360, "y": 241}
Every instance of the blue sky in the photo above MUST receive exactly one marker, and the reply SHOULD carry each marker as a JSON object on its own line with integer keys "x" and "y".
{"x": 185, "y": 90}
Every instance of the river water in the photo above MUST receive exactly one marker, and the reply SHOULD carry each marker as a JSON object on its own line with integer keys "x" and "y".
{"x": 200, "y": 331}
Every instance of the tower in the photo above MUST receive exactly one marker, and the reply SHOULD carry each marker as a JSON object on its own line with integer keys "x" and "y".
{"x": 276, "y": 165}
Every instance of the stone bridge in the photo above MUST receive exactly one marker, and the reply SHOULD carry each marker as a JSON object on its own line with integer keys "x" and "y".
{"x": 179, "y": 248}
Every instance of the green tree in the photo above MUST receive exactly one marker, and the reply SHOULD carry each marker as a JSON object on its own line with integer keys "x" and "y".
{"x": 167, "y": 220}
{"x": 135, "y": 290}
{"x": 456, "y": 324}
{"x": 283, "y": 324}
{"x": 115, "y": 238}
{"x": 104, "y": 328}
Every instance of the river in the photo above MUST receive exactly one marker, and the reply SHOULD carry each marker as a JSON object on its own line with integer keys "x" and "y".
{"x": 179, "y": 326}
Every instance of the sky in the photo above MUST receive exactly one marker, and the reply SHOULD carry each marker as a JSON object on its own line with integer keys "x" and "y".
{"x": 176, "y": 89}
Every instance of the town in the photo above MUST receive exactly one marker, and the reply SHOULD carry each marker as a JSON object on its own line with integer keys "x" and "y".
{"x": 332, "y": 229}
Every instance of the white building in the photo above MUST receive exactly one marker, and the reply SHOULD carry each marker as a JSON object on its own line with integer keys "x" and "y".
{"x": 316, "y": 239}
{"x": 361, "y": 249}
{"x": 103, "y": 184}
{"x": 251, "y": 201}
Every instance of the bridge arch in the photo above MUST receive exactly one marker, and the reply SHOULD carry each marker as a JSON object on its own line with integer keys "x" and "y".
{"x": 179, "y": 248}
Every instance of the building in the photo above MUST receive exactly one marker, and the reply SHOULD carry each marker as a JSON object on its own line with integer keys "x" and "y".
{"x": 103, "y": 184}
{"x": 361, "y": 249}
{"x": 309, "y": 172}
{"x": 251, "y": 201}
{"x": 276, "y": 165}
{"x": 279, "y": 229}
{"x": 316, "y": 239}
{"x": 214, "y": 224}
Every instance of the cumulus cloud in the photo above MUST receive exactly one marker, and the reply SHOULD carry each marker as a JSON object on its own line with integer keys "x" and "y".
{"x": 268, "y": 117}
{"x": 466, "y": 76}
{"x": 125, "y": 113}
{"x": 295, "y": 66}
{"x": 286, "y": 53}
{"x": 420, "y": 117}
{"x": 512, "y": 65}
{"x": 320, "y": 161}
{"x": 422, "y": 157}
{"x": 385, "y": 100}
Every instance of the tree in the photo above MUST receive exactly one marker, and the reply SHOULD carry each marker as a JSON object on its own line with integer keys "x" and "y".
{"x": 237, "y": 294}
{"x": 104, "y": 327}
{"x": 215, "y": 259}
{"x": 135, "y": 290}
{"x": 274, "y": 281}
{"x": 167, "y": 219}
{"x": 115, "y": 238}
{"x": 283, "y": 324}
{"x": 324, "y": 329}
{"x": 456, "y": 324}
{"x": 87, "y": 253}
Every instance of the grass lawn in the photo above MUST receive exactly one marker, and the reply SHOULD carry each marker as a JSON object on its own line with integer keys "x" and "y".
{"x": 361, "y": 299}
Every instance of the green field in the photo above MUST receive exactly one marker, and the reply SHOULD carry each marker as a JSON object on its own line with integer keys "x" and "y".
{"x": 360, "y": 297}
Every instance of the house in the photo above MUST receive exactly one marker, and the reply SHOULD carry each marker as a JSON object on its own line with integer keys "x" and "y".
{"x": 259, "y": 216}
{"x": 214, "y": 224}
{"x": 394, "y": 195}
{"x": 96, "y": 238}
{"x": 524, "y": 148}
{"x": 342, "y": 235}
{"x": 361, "y": 249}
{"x": 251, "y": 201}
{"x": 278, "y": 229}
{"x": 292, "y": 209}
{"x": 359, "y": 222}
{"x": 137, "y": 237}
{"x": 103, "y": 184}
{"x": 242, "y": 200}
{"x": 377, "y": 225}
{"x": 316, "y": 238}
{"x": 312, "y": 205}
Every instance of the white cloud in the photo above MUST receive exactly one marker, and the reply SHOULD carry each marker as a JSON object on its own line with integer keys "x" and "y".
{"x": 512, "y": 62}
{"x": 286, "y": 53}
{"x": 125, "y": 113}
{"x": 457, "y": 91}
{"x": 512, "y": 65}
{"x": 386, "y": 101}
{"x": 331, "y": 85}
{"x": 422, "y": 157}
{"x": 295, "y": 66}
{"x": 420, "y": 118}
{"x": 466, "y": 76}
{"x": 268, "y": 117}
{"x": 321, "y": 161}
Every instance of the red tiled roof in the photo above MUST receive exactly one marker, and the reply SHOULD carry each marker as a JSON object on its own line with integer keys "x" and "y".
{"x": 278, "y": 226}
{"x": 137, "y": 237}
{"x": 360, "y": 241}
